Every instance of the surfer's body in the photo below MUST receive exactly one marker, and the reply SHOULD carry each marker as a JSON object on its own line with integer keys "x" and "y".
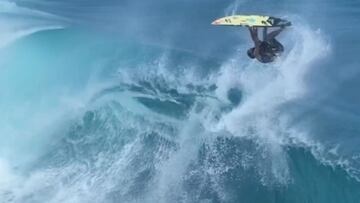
{"x": 267, "y": 50}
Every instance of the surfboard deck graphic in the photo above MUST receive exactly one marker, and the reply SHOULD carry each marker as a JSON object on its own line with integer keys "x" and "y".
{"x": 252, "y": 21}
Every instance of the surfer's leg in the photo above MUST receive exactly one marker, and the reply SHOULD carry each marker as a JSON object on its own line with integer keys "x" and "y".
{"x": 277, "y": 47}
{"x": 273, "y": 34}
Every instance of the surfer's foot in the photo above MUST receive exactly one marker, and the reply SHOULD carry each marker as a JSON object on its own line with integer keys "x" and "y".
{"x": 286, "y": 25}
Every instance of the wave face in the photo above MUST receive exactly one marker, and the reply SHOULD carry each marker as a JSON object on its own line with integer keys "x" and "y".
{"x": 129, "y": 101}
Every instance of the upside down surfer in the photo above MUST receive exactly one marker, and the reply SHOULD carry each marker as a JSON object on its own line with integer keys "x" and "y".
{"x": 265, "y": 51}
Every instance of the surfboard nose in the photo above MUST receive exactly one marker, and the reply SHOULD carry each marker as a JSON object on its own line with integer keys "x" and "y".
{"x": 215, "y": 22}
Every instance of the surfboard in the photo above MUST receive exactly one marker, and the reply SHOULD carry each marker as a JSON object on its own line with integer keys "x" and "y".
{"x": 252, "y": 21}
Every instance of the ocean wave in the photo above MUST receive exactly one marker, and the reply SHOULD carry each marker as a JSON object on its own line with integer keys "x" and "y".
{"x": 152, "y": 124}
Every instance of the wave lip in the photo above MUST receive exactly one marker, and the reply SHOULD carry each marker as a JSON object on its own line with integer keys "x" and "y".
{"x": 17, "y": 22}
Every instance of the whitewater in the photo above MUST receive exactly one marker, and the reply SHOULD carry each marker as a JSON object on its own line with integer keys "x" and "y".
{"x": 147, "y": 102}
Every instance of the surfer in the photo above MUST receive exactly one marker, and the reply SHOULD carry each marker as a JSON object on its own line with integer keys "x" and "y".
{"x": 265, "y": 51}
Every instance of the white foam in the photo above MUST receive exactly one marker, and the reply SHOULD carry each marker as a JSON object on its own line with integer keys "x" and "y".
{"x": 266, "y": 88}
{"x": 269, "y": 87}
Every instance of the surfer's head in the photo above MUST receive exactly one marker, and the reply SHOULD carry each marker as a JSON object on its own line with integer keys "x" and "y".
{"x": 251, "y": 52}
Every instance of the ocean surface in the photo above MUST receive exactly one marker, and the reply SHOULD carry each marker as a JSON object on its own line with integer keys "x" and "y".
{"x": 146, "y": 102}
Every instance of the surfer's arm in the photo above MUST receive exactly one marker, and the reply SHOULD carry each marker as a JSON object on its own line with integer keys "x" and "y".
{"x": 254, "y": 35}
{"x": 257, "y": 42}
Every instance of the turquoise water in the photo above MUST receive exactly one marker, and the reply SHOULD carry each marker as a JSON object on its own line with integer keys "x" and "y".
{"x": 111, "y": 102}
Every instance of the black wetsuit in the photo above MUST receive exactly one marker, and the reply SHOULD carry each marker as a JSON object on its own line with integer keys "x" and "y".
{"x": 269, "y": 50}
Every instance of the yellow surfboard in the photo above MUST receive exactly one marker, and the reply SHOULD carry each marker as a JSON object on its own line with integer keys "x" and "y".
{"x": 252, "y": 21}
